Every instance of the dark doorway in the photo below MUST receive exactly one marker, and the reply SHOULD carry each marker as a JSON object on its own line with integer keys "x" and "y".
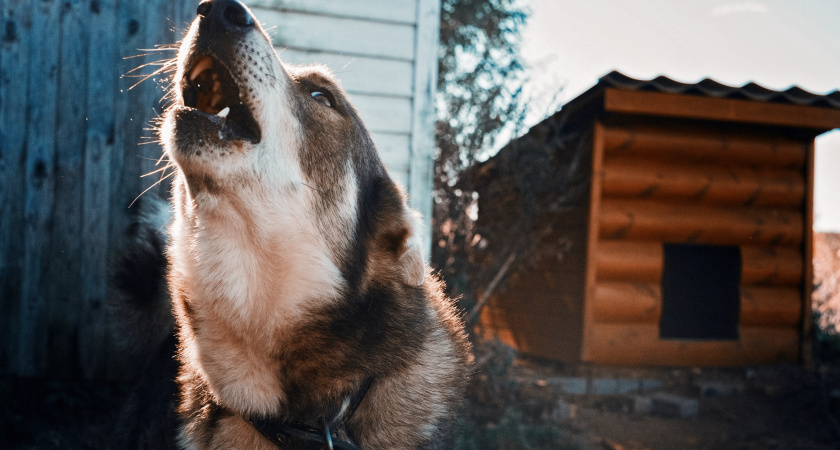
{"x": 700, "y": 292}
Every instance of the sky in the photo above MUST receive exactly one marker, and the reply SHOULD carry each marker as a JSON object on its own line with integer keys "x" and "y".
{"x": 775, "y": 43}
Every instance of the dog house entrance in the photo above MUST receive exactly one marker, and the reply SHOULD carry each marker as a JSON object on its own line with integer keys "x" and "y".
{"x": 700, "y": 292}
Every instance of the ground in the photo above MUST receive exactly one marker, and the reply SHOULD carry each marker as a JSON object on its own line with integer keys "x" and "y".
{"x": 525, "y": 404}
{"x": 769, "y": 407}
{"x": 515, "y": 402}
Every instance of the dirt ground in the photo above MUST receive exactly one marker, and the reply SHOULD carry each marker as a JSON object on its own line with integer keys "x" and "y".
{"x": 778, "y": 407}
{"x": 517, "y": 403}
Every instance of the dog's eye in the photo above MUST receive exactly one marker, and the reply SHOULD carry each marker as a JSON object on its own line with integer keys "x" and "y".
{"x": 321, "y": 97}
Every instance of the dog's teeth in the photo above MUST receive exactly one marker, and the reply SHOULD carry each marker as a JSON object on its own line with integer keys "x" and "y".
{"x": 204, "y": 64}
{"x": 223, "y": 113}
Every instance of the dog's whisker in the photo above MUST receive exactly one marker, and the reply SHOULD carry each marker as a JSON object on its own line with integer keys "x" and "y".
{"x": 156, "y": 171}
{"x": 162, "y": 178}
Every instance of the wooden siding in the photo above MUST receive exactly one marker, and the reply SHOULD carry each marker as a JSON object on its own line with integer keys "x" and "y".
{"x": 653, "y": 185}
{"x": 385, "y": 54}
{"x": 70, "y": 166}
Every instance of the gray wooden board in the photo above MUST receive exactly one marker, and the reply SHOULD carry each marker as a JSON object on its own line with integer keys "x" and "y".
{"x": 96, "y": 208}
{"x": 393, "y": 149}
{"x": 423, "y": 114}
{"x": 400, "y": 11}
{"x": 359, "y": 74}
{"x": 384, "y": 114}
{"x": 14, "y": 92}
{"x": 63, "y": 271}
{"x": 305, "y": 31}
{"x": 40, "y": 173}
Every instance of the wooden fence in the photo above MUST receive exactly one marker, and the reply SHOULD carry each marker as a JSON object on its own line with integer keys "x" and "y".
{"x": 70, "y": 165}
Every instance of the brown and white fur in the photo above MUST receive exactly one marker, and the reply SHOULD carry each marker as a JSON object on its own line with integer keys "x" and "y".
{"x": 296, "y": 271}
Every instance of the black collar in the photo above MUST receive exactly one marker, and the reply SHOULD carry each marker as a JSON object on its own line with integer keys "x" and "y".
{"x": 291, "y": 434}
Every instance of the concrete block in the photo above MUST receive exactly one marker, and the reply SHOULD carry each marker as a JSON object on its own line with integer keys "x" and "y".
{"x": 604, "y": 386}
{"x": 564, "y": 411}
{"x": 672, "y": 405}
{"x": 718, "y": 388}
{"x": 642, "y": 404}
{"x": 648, "y": 385}
{"x": 615, "y": 386}
{"x": 569, "y": 385}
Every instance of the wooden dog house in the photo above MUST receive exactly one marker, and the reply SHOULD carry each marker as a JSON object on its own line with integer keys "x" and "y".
{"x": 688, "y": 241}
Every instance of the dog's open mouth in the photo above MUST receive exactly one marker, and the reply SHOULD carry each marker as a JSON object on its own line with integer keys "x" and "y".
{"x": 210, "y": 89}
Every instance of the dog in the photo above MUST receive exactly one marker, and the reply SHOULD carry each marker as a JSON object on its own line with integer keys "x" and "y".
{"x": 305, "y": 314}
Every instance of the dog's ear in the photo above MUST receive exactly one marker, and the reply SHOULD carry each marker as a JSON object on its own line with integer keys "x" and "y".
{"x": 410, "y": 259}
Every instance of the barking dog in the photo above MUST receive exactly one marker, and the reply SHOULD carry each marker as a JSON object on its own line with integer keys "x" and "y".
{"x": 305, "y": 314}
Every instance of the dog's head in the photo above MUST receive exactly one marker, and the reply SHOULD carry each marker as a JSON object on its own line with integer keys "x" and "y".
{"x": 262, "y": 146}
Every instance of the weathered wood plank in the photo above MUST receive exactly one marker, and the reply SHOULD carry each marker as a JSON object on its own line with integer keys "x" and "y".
{"x": 627, "y": 302}
{"x": 96, "y": 207}
{"x": 393, "y": 150}
{"x": 592, "y": 241}
{"x": 709, "y": 146}
{"x": 347, "y": 36}
{"x": 65, "y": 287}
{"x": 384, "y": 114}
{"x": 655, "y": 221}
{"x": 634, "y": 302}
{"x": 642, "y": 262}
{"x": 402, "y": 11}
{"x": 40, "y": 173}
{"x": 14, "y": 92}
{"x": 423, "y": 114}
{"x": 703, "y": 183}
{"x": 807, "y": 322}
{"x": 640, "y": 344}
{"x": 770, "y": 306}
{"x": 720, "y": 109}
{"x": 360, "y": 74}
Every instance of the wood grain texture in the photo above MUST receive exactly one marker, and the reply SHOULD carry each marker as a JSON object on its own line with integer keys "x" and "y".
{"x": 360, "y": 74}
{"x": 423, "y": 115}
{"x": 642, "y": 262}
{"x": 636, "y": 344}
{"x": 398, "y": 11}
{"x": 592, "y": 238}
{"x": 703, "y": 183}
{"x": 306, "y": 31}
{"x": 384, "y": 114}
{"x": 630, "y": 302}
{"x": 14, "y": 93}
{"x": 689, "y": 145}
{"x": 393, "y": 150}
{"x": 64, "y": 271}
{"x": 681, "y": 223}
{"x": 720, "y": 109}
{"x": 100, "y": 140}
{"x": 42, "y": 104}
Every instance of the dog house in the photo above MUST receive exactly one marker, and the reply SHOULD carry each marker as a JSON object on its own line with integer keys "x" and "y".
{"x": 672, "y": 225}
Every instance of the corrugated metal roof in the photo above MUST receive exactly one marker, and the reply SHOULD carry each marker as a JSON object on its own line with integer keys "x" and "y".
{"x": 711, "y": 88}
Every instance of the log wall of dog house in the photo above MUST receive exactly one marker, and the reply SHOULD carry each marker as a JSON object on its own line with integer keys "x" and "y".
{"x": 654, "y": 186}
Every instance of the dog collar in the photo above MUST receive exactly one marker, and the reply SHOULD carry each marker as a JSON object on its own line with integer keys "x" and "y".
{"x": 311, "y": 435}
{"x": 301, "y": 436}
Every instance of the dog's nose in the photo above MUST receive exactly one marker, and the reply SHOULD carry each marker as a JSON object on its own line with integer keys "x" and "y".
{"x": 230, "y": 13}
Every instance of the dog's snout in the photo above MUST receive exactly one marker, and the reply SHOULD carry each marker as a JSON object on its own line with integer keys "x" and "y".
{"x": 231, "y": 14}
